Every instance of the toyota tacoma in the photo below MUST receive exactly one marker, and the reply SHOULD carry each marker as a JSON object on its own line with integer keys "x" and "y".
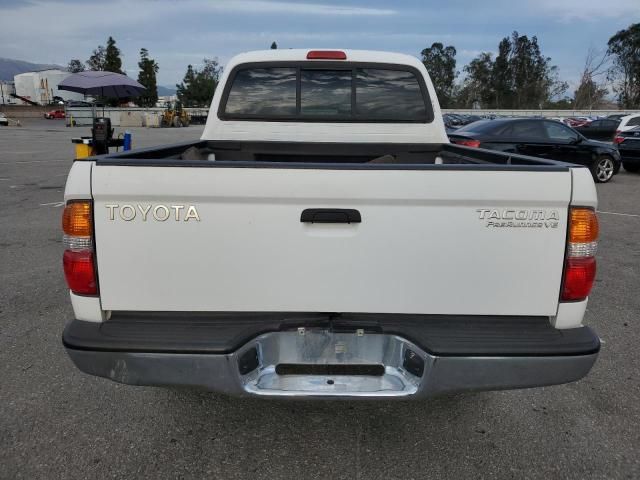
{"x": 324, "y": 239}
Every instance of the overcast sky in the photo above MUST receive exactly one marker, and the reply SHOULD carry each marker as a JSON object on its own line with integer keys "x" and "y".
{"x": 177, "y": 32}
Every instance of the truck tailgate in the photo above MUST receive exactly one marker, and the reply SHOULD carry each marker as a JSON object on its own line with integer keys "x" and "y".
{"x": 467, "y": 242}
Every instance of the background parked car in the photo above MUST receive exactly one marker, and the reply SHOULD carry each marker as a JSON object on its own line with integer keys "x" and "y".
{"x": 629, "y": 147}
{"x": 629, "y": 122}
{"x": 541, "y": 138}
{"x": 450, "y": 122}
{"x": 78, "y": 103}
{"x": 53, "y": 114}
{"x": 4, "y": 120}
{"x": 456, "y": 120}
{"x": 601, "y": 129}
{"x": 472, "y": 118}
{"x": 576, "y": 121}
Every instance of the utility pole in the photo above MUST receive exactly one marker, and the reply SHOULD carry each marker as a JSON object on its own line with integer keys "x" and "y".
{"x": 2, "y": 92}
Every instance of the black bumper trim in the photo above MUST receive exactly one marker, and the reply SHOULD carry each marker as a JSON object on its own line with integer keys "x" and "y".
{"x": 226, "y": 332}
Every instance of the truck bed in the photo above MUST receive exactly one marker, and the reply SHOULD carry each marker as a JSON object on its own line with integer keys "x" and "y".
{"x": 208, "y": 153}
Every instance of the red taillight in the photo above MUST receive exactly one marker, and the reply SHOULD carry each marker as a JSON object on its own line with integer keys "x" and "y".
{"x": 79, "y": 272}
{"x": 578, "y": 278}
{"x": 618, "y": 140}
{"x": 580, "y": 264}
{"x": 468, "y": 143}
{"x": 326, "y": 55}
{"x": 78, "y": 258}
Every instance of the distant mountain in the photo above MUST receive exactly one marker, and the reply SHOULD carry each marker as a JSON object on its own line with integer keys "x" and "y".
{"x": 165, "y": 91}
{"x": 9, "y": 68}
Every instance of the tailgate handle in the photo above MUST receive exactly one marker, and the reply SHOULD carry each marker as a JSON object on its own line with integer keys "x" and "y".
{"x": 330, "y": 215}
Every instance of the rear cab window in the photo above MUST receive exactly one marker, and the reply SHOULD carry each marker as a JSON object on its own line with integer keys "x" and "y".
{"x": 308, "y": 91}
{"x": 263, "y": 91}
{"x": 325, "y": 93}
{"x": 389, "y": 94}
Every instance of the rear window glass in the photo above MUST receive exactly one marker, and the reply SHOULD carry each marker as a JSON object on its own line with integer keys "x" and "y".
{"x": 263, "y": 91}
{"x": 325, "y": 92}
{"x": 342, "y": 94}
{"x": 525, "y": 130}
{"x": 388, "y": 94}
{"x": 481, "y": 126}
{"x": 634, "y": 121}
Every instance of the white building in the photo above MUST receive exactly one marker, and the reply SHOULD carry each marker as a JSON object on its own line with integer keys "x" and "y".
{"x": 6, "y": 91}
{"x": 164, "y": 99}
{"x": 41, "y": 87}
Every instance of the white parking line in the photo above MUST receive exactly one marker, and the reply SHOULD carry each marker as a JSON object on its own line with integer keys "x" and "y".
{"x": 621, "y": 214}
{"x": 52, "y": 204}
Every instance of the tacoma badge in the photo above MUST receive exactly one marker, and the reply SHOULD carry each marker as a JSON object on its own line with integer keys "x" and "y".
{"x": 519, "y": 218}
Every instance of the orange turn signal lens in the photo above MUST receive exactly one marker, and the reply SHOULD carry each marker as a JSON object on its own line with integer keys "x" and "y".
{"x": 76, "y": 219}
{"x": 583, "y": 225}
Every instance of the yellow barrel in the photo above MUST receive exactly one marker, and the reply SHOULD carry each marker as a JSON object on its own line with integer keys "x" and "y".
{"x": 84, "y": 148}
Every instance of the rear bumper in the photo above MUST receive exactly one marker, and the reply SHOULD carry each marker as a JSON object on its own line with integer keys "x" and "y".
{"x": 630, "y": 151}
{"x": 347, "y": 362}
{"x": 630, "y": 156}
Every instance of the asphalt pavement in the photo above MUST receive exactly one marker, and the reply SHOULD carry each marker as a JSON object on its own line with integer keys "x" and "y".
{"x": 56, "y": 422}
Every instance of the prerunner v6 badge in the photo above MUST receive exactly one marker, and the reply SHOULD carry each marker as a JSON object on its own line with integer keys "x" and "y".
{"x": 519, "y": 218}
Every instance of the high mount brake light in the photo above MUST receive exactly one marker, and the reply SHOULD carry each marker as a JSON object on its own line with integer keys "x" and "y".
{"x": 78, "y": 259}
{"x": 580, "y": 262}
{"x": 326, "y": 55}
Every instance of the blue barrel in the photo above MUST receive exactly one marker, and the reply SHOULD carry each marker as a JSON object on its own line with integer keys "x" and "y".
{"x": 127, "y": 141}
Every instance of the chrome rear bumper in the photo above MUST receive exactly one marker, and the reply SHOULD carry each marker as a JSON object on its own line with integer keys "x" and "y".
{"x": 326, "y": 364}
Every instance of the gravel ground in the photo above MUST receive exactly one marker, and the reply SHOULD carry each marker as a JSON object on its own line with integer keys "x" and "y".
{"x": 56, "y": 422}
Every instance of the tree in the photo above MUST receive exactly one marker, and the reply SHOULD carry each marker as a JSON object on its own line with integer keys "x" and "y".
{"x": 147, "y": 78}
{"x": 75, "y": 66}
{"x": 184, "y": 90}
{"x": 274, "y": 46}
{"x": 112, "y": 60}
{"x": 441, "y": 65}
{"x": 565, "y": 103}
{"x": 502, "y": 82}
{"x": 478, "y": 84}
{"x": 520, "y": 76}
{"x": 624, "y": 48}
{"x": 534, "y": 80}
{"x": 554, "y": 87}
{"x": 589, "y": 94}
{"x": 106, "y": 59}
{"x": 198, "y": 86}
{"x": 96, "y": 60}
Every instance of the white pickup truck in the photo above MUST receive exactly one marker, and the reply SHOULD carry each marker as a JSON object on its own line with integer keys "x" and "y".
{"x": 324, "y": 239}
